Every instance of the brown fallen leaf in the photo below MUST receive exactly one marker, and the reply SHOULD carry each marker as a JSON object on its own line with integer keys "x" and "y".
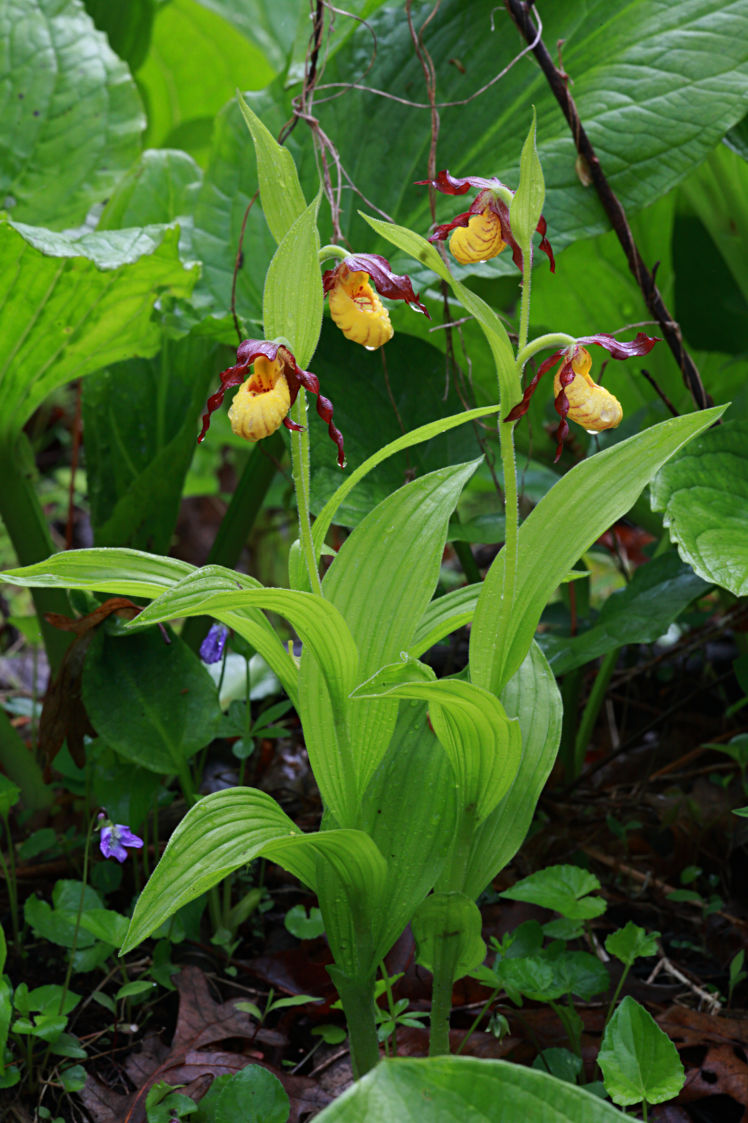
{"x": 201, "y": 1022}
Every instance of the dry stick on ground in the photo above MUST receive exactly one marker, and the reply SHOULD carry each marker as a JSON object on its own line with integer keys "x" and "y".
{"x": 519, "y": 10}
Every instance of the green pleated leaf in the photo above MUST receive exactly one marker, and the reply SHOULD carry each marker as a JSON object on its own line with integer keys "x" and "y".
{"x": 483, "y": 745}
{"x": 282, "y": 199}
{"x": 576, "y": 511}
{"x": 72, "y": 115}
{"x": 329, "y": 656}
{"x": 127, "y": 572}
{"x": 225, "y": 831}
{"x": 447, "y": 931}
{"x": 350, "y": 883}
{"x": 410, "y": 811}
{"x": 181, "y": 109}
{"x": 703, "y": 494}
{"x": 465, "y": 1090}
{"x": 381, "y": 581}
{"x": 293, "y": 297}
{"x": 532, "y": 696}
{"x": 445, "y": 615}
{"x": 73, "y": 305}
{"x": 637, "y": 1059}
{"x": 423, "y": 433}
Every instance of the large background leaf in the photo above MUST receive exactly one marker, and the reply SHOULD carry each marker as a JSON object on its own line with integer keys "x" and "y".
{"x": 73, "y": 305}
{"x": 704, "y": 496}
{"x": 688, "y": 63}
{"x": 72, "y": 117}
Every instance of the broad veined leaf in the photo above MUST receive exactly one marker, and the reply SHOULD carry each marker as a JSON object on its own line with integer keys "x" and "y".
{"x": 641, "y": 612}
{"x": 575, "y": 512}
{"x": 533, "y": 697}
{"x": 566, "y": 889}
{"x": 73, "y": 305}
{"x": 465, "y": 1090}
{"x": 127, "y": 572}
{"x": 225, "y": 831}
{"x": 127, "y": 27}
{"x": 381, "y": 581}
{"x": 161, "y": 186}
{"x": 637, "y": 1059}
{"x": 186, "y": 38}
{"x": 483, "y": 745}
{"x": 350, "y": 884}
{"x": 656, "y": 85}
{"x": 72, "y": 116}
{"x": 153, "y": 702}
{"x": 292, "y": 300}
{"x": 703, "y": 494}
{"x": 272, "y": 27}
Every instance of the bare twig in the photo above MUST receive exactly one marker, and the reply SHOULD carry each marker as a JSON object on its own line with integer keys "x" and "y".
{"x": 558, "y": 82}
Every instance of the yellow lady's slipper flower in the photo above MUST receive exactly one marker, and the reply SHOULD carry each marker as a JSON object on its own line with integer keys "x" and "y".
{"x": 590, "y": 405}
{"x": 355, "y": 306}
{"x": 577, "y": 396}
{"x": 482, "y": 231}
{"x": 260, "y": 403}
{"x": 263, "y": 400}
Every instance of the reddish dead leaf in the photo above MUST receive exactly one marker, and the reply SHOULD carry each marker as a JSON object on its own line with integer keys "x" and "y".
{"x": 63, "y": 713}
{"x": 201, "y": 1022}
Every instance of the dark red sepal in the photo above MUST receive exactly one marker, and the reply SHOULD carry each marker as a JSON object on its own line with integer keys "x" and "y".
{"x": 452, "y": 185}
{"x": 641, "y": 345}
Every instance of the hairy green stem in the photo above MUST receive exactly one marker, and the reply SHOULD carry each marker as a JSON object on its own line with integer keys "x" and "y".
{"x": 300, "y": 463}
{"x": 357, "y": 997}
{"x": 441, "y": 1010}
{"x": 555, "y": 339}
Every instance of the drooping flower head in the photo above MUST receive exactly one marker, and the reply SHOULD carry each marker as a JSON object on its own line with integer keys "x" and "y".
{"x": 482, "y": 231}
{"x": 211, "y": 649}
{"x": 355, "y": 306}
{"x": 263, "y": 400}
{"x": 116, "y": 839}
{"x": 576, "y": 395}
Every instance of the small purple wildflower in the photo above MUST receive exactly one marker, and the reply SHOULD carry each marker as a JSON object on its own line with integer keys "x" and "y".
{"x": 211, "y": 649}
{"x": 114, "y": 838}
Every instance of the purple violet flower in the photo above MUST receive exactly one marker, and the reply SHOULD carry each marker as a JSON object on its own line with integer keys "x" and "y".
{"x": 114, "y": 838}
{"x": 211, "y": 649}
